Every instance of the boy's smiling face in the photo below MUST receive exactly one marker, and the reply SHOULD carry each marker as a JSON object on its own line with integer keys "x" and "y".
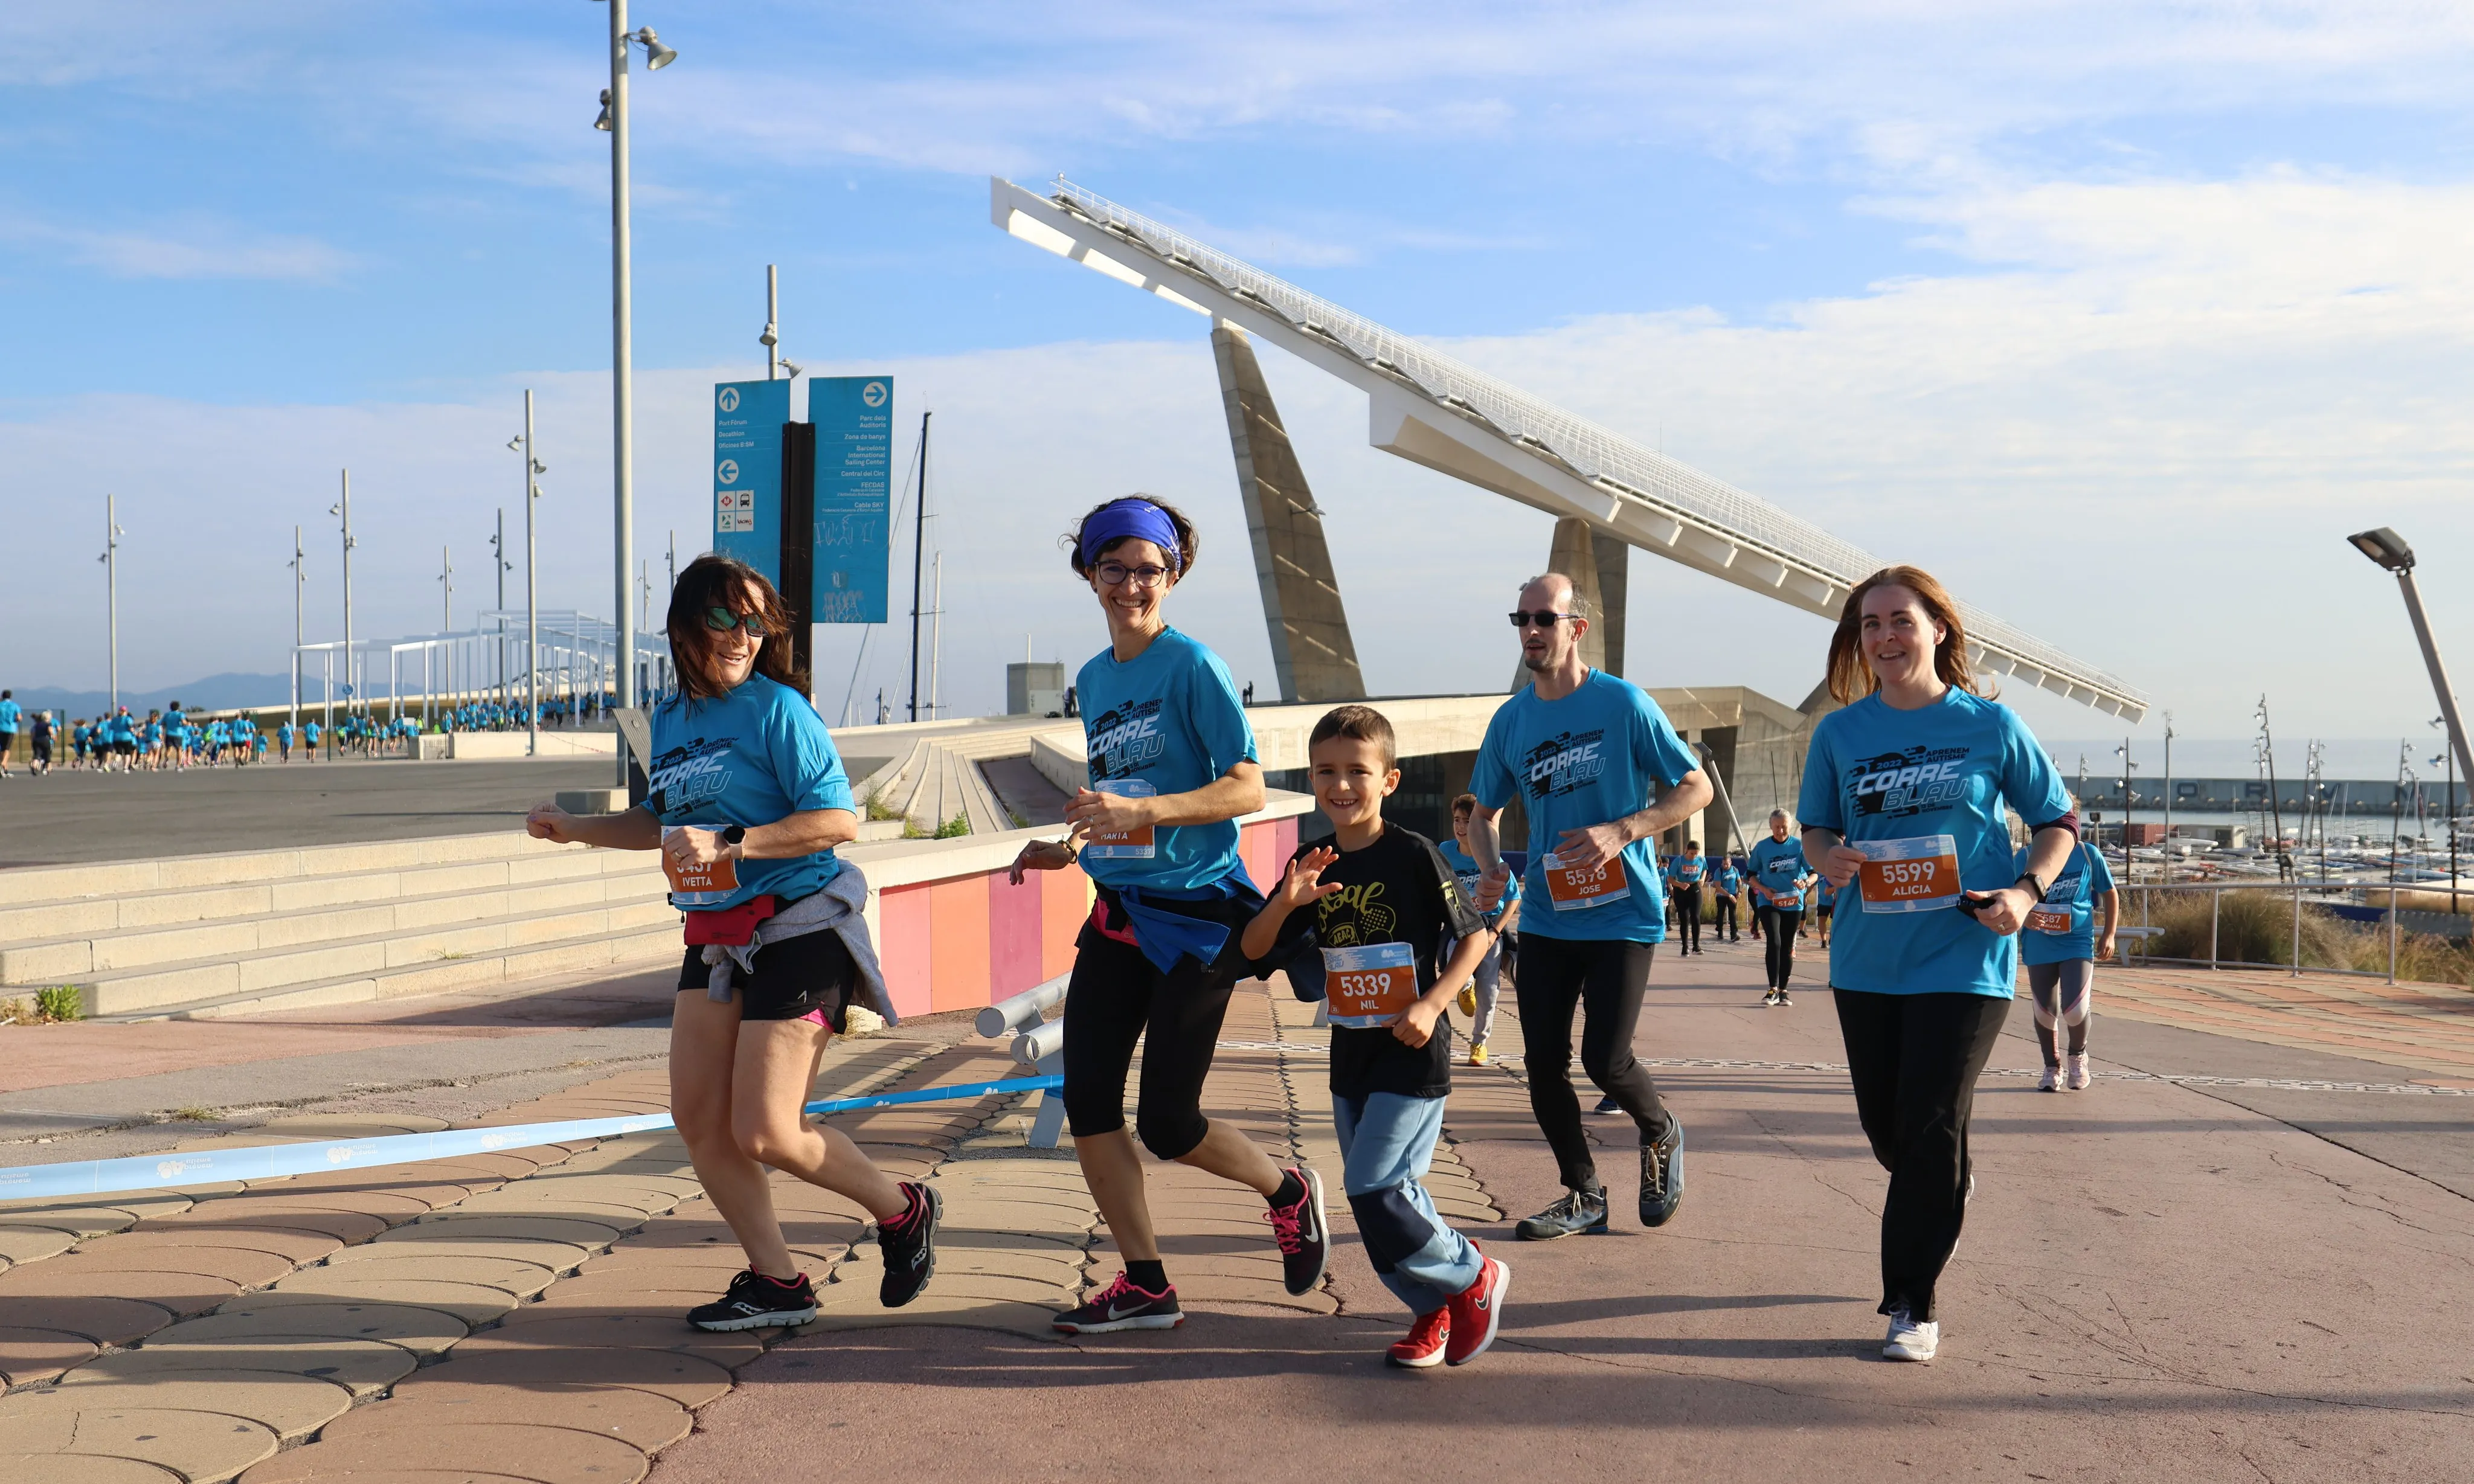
{"x": 1351, "y": 780}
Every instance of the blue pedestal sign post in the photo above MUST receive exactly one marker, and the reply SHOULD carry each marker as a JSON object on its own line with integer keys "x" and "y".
{"x": 747, "y": 417}
{"x": 854, "y": 421}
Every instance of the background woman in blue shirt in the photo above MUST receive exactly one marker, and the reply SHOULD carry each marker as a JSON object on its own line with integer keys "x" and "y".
{"x": 1172, "y": 768}
{"x": 1779, "y": 877}
{"x": 1904, "y": 801}
{"x": 2060, "y": 945}
{"x": 749, "y": 794}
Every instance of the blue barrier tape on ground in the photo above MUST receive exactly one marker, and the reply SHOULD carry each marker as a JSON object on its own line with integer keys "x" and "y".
{"x": 275, "y": 1161}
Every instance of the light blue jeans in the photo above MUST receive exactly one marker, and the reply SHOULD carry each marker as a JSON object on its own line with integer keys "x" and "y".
{"x": 1387, "y": 1142}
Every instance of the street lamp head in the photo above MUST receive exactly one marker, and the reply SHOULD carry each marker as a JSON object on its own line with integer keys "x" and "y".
{"x": 791, "y": 368}
{"x": 770, "y": 338}
{"x": 516, "y": 445}
{"x": 2386, "y": 547}
{"x": 540, "y": 468}
{"x": 603, "y": 122}
{"x": 656, "y": 55}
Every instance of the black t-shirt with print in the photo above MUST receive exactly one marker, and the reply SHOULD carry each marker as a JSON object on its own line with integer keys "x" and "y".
{"x": 1399, "y": 890}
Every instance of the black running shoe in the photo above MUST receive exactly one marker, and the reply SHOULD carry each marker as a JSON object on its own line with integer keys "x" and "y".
{"x": 1579, "y": 1212}
{"x": 1304, "y": 1238}
{"x": 1608, "y": 1104}
{"x": 910, "y": 1248}
{"x": 1121, "y": 1305}
{"x": 755, "y": 1302}
{"x": 1661, "y": 1175}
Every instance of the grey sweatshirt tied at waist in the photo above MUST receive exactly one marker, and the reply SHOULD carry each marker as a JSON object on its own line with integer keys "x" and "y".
{"x": 839, "y": 907}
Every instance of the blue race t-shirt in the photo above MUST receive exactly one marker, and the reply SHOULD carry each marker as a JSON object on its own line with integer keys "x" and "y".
{"x": 2062, "y": 927}
{"x": 1166, "y": 721}
{"x": 1825, "y": 896}
{"x": 1727, "y": 879}
{"x": 1465, "y": 866}
{"x": 9, "y": 714}
{"x": 1778, "y": 864}
{"x": 1687, "y": 870}
{"x": 1601, "y": 753}
{"x": 1926, "y": 788}
{"x": 757, "y": 756}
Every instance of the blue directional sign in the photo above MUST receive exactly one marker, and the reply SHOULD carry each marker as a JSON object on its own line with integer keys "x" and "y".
{"x": 747, "y": 417}
{"x": 854, "y": 422}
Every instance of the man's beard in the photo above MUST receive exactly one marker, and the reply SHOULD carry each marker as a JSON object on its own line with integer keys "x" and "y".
{"x": 1538, "y": 662}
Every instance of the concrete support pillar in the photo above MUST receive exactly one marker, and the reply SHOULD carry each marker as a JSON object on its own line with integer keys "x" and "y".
{"x": 1310, "y": 648}
{"x": 1613, "y": 557}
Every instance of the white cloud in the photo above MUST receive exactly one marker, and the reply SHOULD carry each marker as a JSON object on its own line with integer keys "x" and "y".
{"x": 190, "y": 247}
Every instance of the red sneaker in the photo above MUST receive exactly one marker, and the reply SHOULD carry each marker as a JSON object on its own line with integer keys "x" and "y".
{"x": 1475, "y": 1312}
{"x": 1425, "y": 1345}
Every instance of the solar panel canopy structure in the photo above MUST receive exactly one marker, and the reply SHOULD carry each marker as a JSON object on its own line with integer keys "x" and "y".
{"x": 1431, "y": 409}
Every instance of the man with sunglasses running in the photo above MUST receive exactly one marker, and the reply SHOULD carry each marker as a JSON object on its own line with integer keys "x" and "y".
{"x": 1601, "y": 772}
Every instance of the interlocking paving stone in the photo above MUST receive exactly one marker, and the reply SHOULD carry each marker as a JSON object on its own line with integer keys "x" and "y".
{"x": 100, "y": 1262}
{"x": 299, "y": 1246}
{"x": 80, "y": 1469}
{"x": 277, "y": 1316}
{"x": 857, "y": 1291}
{"x": 625, "y": 1265}
{"x": 638, "y": 1418}
{"x": 83, "y": 1221}
{"x": 690, "y": 1381}
{"x": 104, "y": 1320}
{"x": 179, "y": 1293}
{"x": 522, "y": 1278}
{"x": 459, "y": 1224}
{"x": 372, "y": 1202}
{"x": 331, "y": 1126}
{"x": 556, "y": 1330}
{"x": 202, "y": 1446}
{"x": 362, "y": 1366}
{"x": 28, "y": 1355}
{"x": 474, "y": 1304}
{"x": 544, "y": 1455}
{"x": 425, "y": 1242}
{"x": 33, "y": 1244}
{"x": 294, "y": 1406}
{"x": 341, "y": 1225}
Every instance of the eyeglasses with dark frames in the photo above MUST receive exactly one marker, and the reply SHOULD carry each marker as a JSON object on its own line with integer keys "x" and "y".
{"x": 1521, "y": 619}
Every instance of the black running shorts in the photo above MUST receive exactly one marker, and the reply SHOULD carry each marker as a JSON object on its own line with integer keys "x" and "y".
{"x": 810, "y": 977}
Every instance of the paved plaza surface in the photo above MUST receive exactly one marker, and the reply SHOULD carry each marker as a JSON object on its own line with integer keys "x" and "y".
{"x": 80, "y": 817}
{"x": 2242, "y": 1255}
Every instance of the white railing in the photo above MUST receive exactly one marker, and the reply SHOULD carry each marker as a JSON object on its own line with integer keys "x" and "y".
{"x": 2295, "y": 892}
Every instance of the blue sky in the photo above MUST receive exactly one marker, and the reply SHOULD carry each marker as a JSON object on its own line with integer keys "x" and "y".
{"x": 2117, "y": 315}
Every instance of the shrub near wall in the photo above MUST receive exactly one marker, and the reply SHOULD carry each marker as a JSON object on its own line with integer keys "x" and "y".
{"x": 2257, "y": 927}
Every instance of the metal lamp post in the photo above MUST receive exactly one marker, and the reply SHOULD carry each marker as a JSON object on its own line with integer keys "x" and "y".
{"x": 300, "y": 577}
{"x": 614, "y": 120}
{"x": 523, "y": 444}
{"x": 351, "y": 693}
{"x": 110, "y": 560}
{"x": 2388, "y": 550}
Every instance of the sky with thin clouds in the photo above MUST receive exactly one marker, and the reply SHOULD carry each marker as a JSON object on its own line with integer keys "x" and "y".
{"x": 2120, "y": 317}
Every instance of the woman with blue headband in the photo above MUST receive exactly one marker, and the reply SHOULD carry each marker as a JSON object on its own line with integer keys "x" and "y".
{"x": 1171, "y": 769}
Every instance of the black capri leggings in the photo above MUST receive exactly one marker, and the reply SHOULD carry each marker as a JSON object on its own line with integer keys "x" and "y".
{"x": 1116, "y": 997}
{"x": 1782, "y": 923}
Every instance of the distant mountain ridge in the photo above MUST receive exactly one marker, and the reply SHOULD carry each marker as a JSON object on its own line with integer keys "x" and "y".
{"x": 214, "y": 692}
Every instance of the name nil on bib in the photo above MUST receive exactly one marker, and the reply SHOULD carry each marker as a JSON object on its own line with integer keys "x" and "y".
{"x": 1573, "y": 889}
{"x": 698, "y": 886}
{"x": 1917, "y": 874}
{"x": 1369, "y": 986}
{"x": 1135, "y": 844}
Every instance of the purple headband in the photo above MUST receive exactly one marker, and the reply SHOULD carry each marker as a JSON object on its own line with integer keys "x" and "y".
{"x": 1134, "y": 517}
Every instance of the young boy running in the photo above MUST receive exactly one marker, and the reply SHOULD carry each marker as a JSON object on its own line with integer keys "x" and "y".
{"x": 1478, "y": 997}
{"x": 1381, "y": 906}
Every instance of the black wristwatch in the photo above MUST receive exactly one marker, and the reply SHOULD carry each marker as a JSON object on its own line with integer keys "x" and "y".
{"x": 2030, "y": 877}
{"x": 733, "y": 833}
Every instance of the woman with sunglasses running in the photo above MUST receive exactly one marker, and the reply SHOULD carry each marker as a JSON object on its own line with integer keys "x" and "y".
{"x": 1903, "y": 802}
{"x": 1172, "y": 768}
{"x": 749, "y": 801}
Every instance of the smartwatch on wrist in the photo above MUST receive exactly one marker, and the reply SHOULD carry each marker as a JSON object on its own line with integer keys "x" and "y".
{"x": 2033, "y": 885}
{"x": 733, "y": 833}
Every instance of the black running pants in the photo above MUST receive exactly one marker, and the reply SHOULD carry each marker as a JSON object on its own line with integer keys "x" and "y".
{"x": 1688, "y": 912}
{"x": 1723, "y": 928}
{"x": 1782, "y": 923}
{"x": 1115, "y": 998}
{"x": 1914, "y": 1059}
{"x": 1561, "y": 975}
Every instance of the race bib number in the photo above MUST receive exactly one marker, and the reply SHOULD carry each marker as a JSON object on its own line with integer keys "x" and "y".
{"x": 2049, "y": 919}
{"x": 1369, "y": 986}
{"x": 1914, "y": 875}
{"x": 1573, "y": 889}
{"x": 1124, "y": 844}
{"x": 698, "y": 886}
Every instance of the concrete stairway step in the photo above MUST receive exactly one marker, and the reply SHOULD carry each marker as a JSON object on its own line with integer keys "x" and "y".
{"x": 222, "y": 976}
{"x": 644, "y": 945}
{"x": 76, "y": 955}
{"x": 38, "y": 883}
{"x": 153, "y": 912}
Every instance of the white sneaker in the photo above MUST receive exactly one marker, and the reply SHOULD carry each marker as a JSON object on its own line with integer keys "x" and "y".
{"x": 2051, "y": 1081}
{"x": 1910, "y": 1340}
{"x": 2077, "y": 1077}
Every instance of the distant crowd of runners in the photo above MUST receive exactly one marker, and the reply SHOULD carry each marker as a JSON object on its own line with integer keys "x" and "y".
{"x": 170, "y": 740}
{"x": 1900, "y": 849}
